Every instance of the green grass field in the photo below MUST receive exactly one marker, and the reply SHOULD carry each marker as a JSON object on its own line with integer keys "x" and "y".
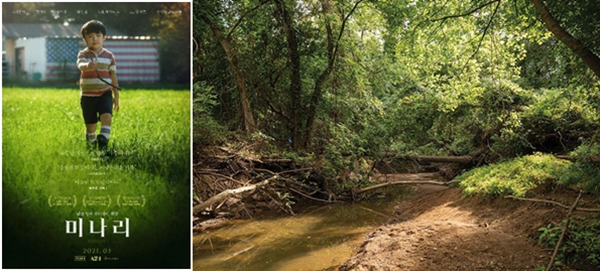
{"x": 49, "y": 176}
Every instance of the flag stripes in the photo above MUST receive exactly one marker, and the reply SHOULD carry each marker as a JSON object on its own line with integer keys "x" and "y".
{"x": 61, "y": 57}
{"x": 137, "y": 60}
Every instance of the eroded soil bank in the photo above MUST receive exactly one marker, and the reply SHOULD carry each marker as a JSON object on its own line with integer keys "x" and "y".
{"x": 438, "y": 229}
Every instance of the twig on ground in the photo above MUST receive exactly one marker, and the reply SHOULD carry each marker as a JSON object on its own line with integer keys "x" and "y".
{"x": 555, "y": 203}
{"x": 564, "y": 231}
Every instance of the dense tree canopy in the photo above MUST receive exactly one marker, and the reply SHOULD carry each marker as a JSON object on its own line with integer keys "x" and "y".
{"x": 365, "y": 77}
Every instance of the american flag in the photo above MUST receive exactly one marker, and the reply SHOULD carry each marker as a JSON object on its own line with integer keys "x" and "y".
{"x": 61, "y": 54}
{"x": 137, "y": 59}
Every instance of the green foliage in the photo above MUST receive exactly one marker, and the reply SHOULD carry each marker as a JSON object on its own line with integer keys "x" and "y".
{"x": 174, "y": 42}
{"x": 579, "y": 19}
{"x": 206, "y": 130}
{"x": 581, "y": 245}
{"x": 515, "y": 177}
{"x": 345, "y": 147}
{"x": 558, "y": 118}
{"x": 547, "y": 120}
{"x": 584, "y": 173}
{"x": 404, "y": 81}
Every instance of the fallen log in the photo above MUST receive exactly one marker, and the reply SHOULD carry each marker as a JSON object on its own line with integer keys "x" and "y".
{"x": 229, "y": 192}
{"x": 362, "y": 190}
{"x": 463, "y": 159}
{"x": 427, "y": 176}
{"x": 210, "y": 224}
{"x": 591, "y": 158}
{"x": 555, "y": 203}
{"x": 403, "y": 178}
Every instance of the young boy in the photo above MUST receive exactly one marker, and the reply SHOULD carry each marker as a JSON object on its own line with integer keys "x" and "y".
{"x": 97, "y": 99}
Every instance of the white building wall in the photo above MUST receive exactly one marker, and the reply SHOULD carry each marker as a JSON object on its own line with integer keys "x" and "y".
{"x": 34, "y": 56}
{"x": 9, "y": 49}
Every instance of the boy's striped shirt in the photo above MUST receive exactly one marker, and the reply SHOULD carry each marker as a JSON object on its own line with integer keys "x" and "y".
{"x": 89, "y": 83}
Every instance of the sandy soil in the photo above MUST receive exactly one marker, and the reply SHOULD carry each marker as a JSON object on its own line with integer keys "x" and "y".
{"x": 440, "y": 230}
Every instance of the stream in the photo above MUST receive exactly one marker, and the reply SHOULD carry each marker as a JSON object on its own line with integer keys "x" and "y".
{"x": 319, "y": 237}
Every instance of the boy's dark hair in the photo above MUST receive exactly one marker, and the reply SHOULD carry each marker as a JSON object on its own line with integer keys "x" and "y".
{"x": 93, "y": 26}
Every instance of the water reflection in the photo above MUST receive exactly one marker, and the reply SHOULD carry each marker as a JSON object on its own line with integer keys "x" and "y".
{"x": 319, "y": 238}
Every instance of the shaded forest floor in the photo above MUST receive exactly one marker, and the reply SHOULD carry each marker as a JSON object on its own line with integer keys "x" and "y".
{"x": 438, "y": 228}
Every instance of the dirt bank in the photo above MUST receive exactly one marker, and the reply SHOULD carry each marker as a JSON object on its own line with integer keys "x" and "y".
{"x": 439, "y": 230}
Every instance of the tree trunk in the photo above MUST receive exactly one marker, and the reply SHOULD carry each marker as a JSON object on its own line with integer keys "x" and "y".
{"x": 249, "y": 125}
{"x": 296, "y": 103}
{"x": 332, "y": 49}
{"x": 588, "y": 57}
{"x": 316, "y": 96}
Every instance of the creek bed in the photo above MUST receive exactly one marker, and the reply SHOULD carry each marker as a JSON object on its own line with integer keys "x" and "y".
{"x": 320, "y": 237}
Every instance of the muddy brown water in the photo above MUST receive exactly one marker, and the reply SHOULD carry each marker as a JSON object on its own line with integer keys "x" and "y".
{"x": 320, "y": 237}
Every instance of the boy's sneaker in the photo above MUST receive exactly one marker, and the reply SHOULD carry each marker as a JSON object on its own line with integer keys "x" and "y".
{"x": 102, "y": 142}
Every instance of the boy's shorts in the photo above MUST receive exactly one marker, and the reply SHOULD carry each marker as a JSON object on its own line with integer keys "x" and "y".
{"x": 93, "y": 107}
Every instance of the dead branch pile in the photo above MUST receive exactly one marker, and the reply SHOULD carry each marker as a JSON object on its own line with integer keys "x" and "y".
{"x": 235, "y": 182}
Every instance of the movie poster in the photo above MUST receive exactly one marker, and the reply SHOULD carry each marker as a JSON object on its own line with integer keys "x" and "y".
{"x": 72, "y": 201}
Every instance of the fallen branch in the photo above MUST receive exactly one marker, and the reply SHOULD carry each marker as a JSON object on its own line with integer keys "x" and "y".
{"x": 240, "y": 252}
{"x": 276, "y": 160}
{"x": 209, "y": 224}
{"x": 407, "y": 177}
{"x": 375, "y": 212}
{"x": 555, "y": 203}
{"x": 453, "y": 182}
{"x": 285, "y": 171}
{"x": 395, "y": 183}
{"x": 441, "y": 159}
{"x": 461, "y": 159}
{"x": 234, "y": 153}
{"x": 564, "y": 231}
{"x": 219, "y": 175}
{"x": 202, "y": 205}
{"x": 591, "y": 158}
{"x": 312, "y": 198}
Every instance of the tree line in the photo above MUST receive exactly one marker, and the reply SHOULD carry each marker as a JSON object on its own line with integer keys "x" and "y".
{"x": 414, "y": 76}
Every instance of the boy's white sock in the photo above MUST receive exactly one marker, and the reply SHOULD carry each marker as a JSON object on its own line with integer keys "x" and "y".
{"x": 90, "y": 137}
{"x": 105, "y": 131}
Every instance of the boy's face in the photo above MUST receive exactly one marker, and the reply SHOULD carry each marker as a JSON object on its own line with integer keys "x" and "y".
{"x": 94, "y": 41}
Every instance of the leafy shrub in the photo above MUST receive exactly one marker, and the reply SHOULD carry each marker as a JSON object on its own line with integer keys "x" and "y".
{"x": 513, "y": 177}
{"x": 345, "y": 147}
{"x": 557, "y": 119}
{"x": 584, "y": 173}
{"x": 581, "y": 246}
{"x": 207, "y": 130}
